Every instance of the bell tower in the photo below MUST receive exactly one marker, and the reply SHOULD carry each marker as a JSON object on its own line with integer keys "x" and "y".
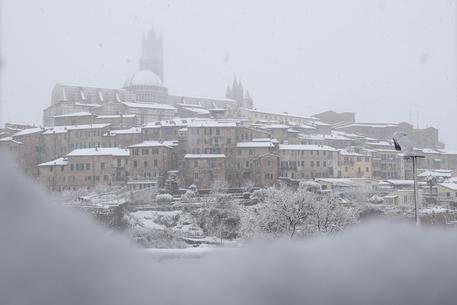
{"x": 152, "y": 53}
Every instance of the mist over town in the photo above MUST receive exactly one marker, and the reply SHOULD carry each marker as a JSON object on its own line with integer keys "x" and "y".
{"x": 258, "y": 159}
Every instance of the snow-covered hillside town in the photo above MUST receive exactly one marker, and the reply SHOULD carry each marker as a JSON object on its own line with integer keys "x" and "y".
{"x": 167, "y": 156}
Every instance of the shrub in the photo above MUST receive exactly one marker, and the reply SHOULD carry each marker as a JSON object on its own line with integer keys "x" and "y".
{"x": 164, "y": 198}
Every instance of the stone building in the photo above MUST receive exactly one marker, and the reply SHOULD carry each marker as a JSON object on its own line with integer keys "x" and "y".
{"x": 237, "y": 93}
{"x": 143, "y": 95}
{"x": 387, "y": 164}
{"x": 167, "y": 130}
{"x": 354, "y": 165}
{"x": 75, "y": 118}
{"x": 60, "y": 140}
{"x": 307, "y": 161}
{"x": 447, "y": 194}
{"x": 420, "y": 138}
{"x": 151, "y": 160}
{"x": 332, "y": 117}
{"x": 122, "y": 137}
{"x": 85, "y": 168}
{"x": 118, "y": 121}
{"x": 211, "y": 137}
{"x": 26, "y": 147}
{"x": 283, "y": 133}
{"x": 333, "y": 140}
{"x": 257, "y": 163}
{"x": 204, "y": 170}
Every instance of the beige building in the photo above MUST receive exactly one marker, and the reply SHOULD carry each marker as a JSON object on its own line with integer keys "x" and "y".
{"x": 283, "y": 133}
{"x": 151, "y": 160}
{"x": 354, "y": 165}
{"x": 60, "y": 140}
{"x": 85, "y": 168}
{"x": 27, "y": 147}
{"x": 307, "y": 161}
{"x": 204, "y": 170}
{"x": 167, "y": 130}
{"x": 257, "y": 163}
{"x": 447, "y": 194}
{"x": 122, "y": 137}
{"x": 403, "y": 197}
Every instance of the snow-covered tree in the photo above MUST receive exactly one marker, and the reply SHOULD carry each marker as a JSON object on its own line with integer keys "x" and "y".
{"x": 285, "y": 210}
{"x": 288, "y": 212}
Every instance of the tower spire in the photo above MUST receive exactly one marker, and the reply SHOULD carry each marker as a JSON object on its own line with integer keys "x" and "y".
{"x": 152, "y": 53}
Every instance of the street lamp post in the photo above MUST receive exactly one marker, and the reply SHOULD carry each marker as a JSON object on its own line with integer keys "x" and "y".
{"x": 403, "y": 144}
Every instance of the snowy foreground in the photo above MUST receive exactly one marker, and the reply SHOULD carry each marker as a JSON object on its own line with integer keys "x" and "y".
{"x": 220, "y": 219}
{"x": 55, "y": 255}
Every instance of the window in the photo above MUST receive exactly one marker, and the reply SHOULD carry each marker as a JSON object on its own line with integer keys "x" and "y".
{"x": 145, "y": 164}
{"x": 135, "y": 163}
{"x": 156, "y": 162}
{"x": 312, "y": 163}
{"x": 102, "y": 165}
{"x": 87, "y": 166}
{"x": 195, "y": 164}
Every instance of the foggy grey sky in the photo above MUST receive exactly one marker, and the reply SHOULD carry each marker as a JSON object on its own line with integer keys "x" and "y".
{"x": 386, "y": 60}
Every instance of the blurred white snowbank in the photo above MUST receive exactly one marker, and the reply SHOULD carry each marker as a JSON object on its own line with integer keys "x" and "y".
{"x": 53, "y": 255}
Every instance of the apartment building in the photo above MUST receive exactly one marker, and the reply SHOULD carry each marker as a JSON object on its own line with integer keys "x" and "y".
{"x": 447, "y": 194}
{"x": 335, "y": 139}
{"x": 151, "y": 160}
{"x": 204, "y": 170}
{"x": 26, "y": 147}
{"x": 166, "y": 130}
{"x": 307, "y": 161}
{"x": 122, "y": 137}
{"x": 257, "y": 163}
{"x": 85, "y": 168}
{"x": 60, "y": 140}
{"x": 354, "y": 165}
{"x": 283, "y": 133}
{"x": 387, "y": 164}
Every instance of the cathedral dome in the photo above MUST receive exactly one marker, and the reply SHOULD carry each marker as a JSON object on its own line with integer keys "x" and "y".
{"x": 143, "y": 78}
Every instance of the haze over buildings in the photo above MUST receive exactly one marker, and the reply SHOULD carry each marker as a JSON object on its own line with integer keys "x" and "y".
{"x": 395, "y": 57}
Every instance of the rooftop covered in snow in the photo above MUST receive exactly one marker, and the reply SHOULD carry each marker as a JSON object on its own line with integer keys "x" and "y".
{"x": 100, "y": 151}
{"x": 204, "y": 156}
